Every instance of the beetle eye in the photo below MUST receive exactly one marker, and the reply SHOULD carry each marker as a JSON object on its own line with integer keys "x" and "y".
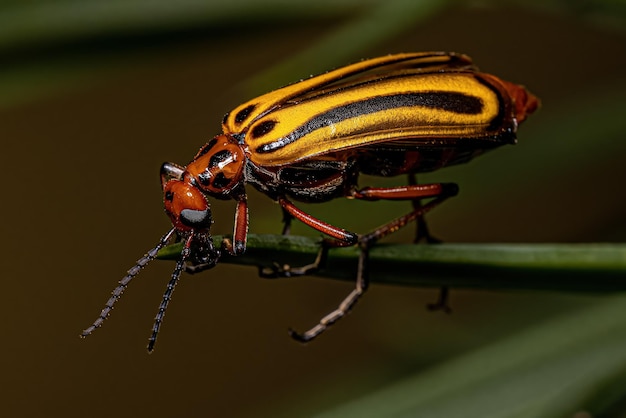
{"x": 196, "y": 219}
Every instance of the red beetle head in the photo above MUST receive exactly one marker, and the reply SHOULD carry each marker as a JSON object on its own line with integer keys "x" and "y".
{"x": 186, "y": 206}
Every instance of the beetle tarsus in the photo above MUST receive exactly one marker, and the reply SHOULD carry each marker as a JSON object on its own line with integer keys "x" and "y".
{"x": 277, "y": 270}
{"x": 362, "y": 283}
{"x": 197, "y": 268}
{"x": 301, "y": 338}
{"x": 344, "y": 307}
{"x": 422, "y": 233}
{"x": 274, "y": 271}
{"x": 287, "y": 218}
{"x": 442, "y": 301}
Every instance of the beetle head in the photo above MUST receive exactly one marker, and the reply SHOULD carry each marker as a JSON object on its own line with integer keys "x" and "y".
{"x": 187, "y": 207}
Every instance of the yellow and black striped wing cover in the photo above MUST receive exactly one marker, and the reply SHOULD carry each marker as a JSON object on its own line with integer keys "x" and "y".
{"x": 404, "y": 100}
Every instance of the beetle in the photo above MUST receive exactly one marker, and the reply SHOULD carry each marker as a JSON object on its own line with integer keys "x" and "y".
{"x": 309, "y": 142}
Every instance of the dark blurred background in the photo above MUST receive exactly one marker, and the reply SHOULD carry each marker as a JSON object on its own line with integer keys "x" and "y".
{"x": 95, "y": 95}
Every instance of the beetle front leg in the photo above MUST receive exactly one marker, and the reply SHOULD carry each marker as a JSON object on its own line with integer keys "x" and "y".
{"x": 240, "y": 229}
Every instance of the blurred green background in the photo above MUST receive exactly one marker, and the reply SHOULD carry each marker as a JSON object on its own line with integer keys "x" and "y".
{"x": 95, "y": 95}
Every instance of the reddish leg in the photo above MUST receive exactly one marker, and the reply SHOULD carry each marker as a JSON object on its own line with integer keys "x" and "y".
{"x": 240, "y": 229}
{"x": 409, "y": 192}
{"x": 237, "y": 245}
{"x": 340, "y": 237}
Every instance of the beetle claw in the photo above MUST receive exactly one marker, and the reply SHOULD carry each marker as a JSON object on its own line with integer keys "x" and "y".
{"x": 301, "y": 338}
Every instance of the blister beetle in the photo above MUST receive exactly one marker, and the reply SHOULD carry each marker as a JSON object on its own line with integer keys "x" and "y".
{"x": 309, "y": 141}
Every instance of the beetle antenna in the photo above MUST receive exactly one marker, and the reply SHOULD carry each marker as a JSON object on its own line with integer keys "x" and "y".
{"x": 134, "y": 271}
{"x": 167, "y": 295}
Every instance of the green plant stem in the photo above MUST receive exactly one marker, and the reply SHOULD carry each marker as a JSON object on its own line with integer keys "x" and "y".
{"x": 563, "y": 267}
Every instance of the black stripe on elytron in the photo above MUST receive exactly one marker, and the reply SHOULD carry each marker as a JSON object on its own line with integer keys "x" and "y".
{"x": 262, "y": 128}
{"x": 453, "y": 59}
{"x": 448, "y": 101}
{"x": 499, "y": 120}
{"x": 243, "y": 114}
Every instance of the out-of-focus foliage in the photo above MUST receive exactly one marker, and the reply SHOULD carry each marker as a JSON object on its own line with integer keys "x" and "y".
{"x": 88, "y": 111}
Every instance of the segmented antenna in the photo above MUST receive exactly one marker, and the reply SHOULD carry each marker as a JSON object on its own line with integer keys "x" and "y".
{"x": 167, "y": 295}
{"x": 117, "y": 292}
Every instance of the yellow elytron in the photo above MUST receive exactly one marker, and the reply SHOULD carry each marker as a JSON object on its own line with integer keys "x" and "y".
{"x": 418, "y": 96}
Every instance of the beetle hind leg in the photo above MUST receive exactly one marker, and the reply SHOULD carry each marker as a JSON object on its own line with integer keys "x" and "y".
{"x": 422, "y": 233}
{"x": 362, "y": 282}
{"x": 442, "y": 301}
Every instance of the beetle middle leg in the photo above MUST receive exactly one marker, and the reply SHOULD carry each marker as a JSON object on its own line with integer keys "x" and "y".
{"x": 421, "y": 227}
{"x": 440, "y": 192}
{"x": 338, "y": 237}
{"x": 287, "y": 218}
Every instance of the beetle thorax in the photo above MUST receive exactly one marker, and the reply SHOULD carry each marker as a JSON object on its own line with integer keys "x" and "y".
{"x": 217, "y": 169}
